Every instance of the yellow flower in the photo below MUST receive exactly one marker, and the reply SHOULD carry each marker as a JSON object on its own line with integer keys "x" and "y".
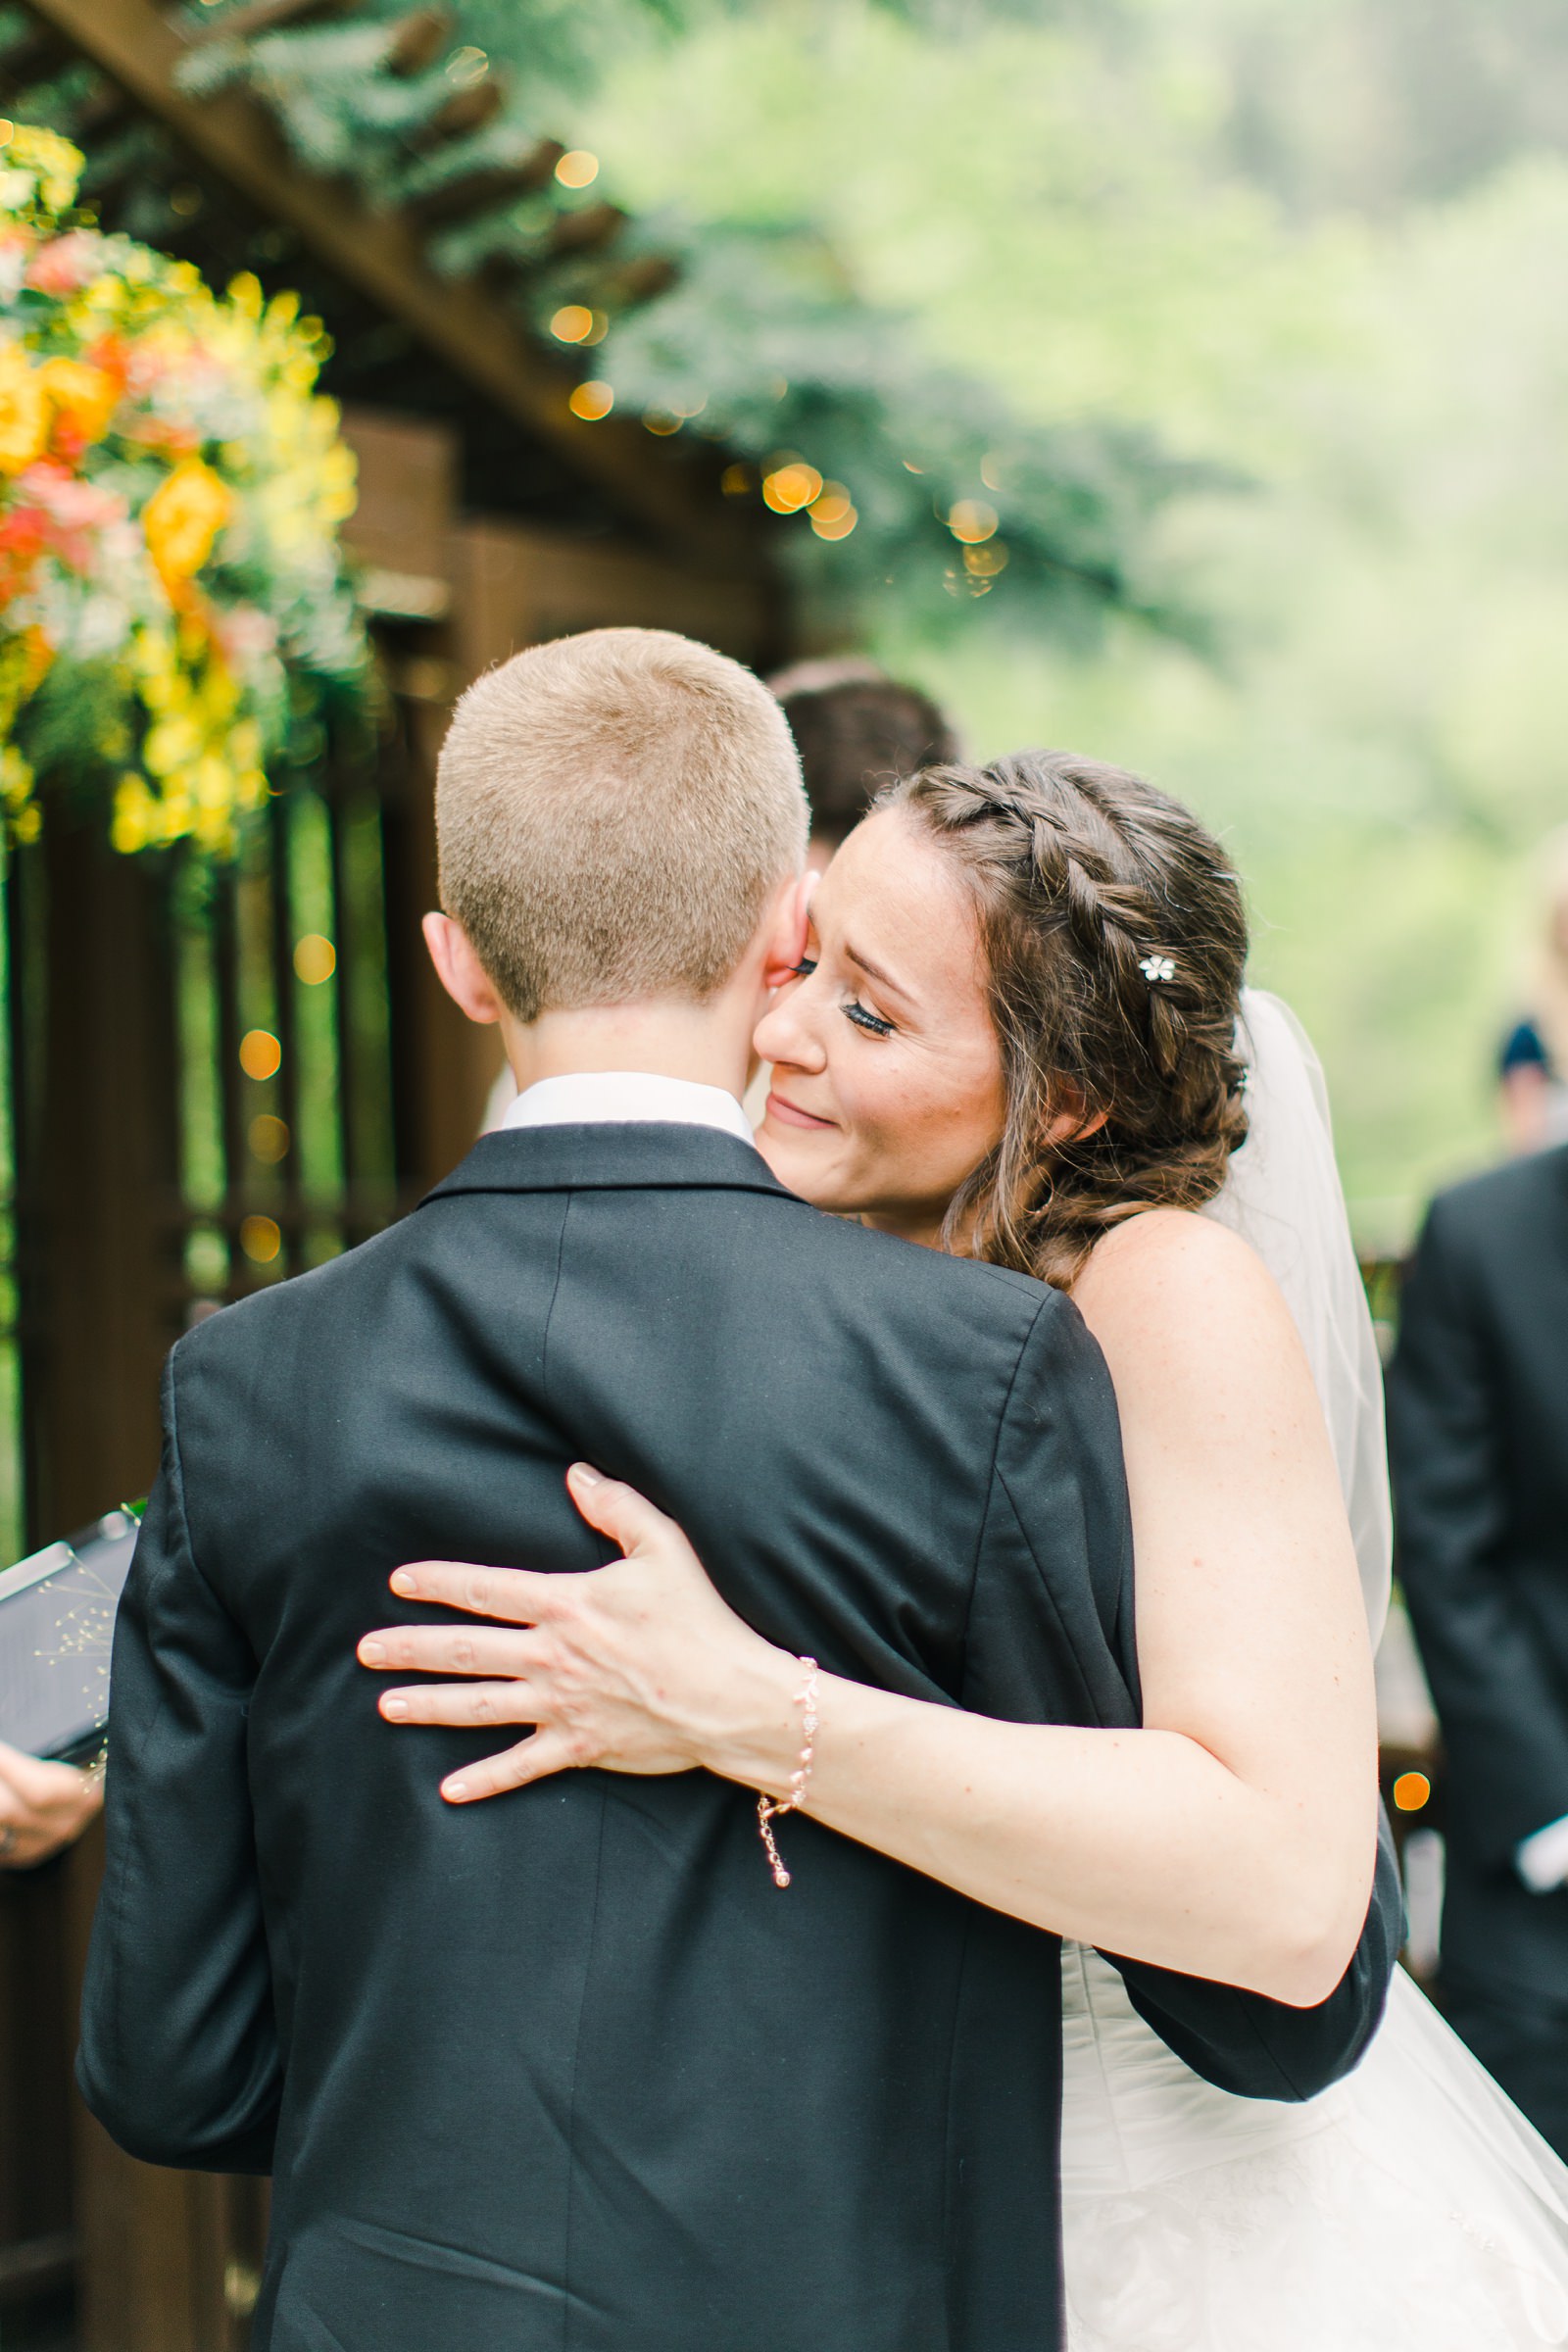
{"x": 56, "y": 163}
{"x": 131, "y": 828}
{"x": 84, "y": 398}
{"x": 182, "y": 518}
{"x": 15, "y": 778}
{"x": 245, "y": 293}
{"x": 23, "y": 412}
{"x": 214, "y": 792}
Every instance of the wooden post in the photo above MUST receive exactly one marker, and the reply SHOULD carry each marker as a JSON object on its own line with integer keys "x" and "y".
{"x": 96, "y": 1147}
{"x": 97, "y": 1193}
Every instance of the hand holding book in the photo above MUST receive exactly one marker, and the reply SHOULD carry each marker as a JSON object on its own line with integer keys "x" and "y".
{"x": 56, "y": 1623}
{"x": 43, "y": 1806}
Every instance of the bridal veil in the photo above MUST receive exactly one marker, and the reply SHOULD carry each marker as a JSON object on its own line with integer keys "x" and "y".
{"x": 1283, "y": 1196}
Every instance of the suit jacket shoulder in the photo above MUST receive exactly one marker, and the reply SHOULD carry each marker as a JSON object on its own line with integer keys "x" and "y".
{"x": 1499, "y": 1204}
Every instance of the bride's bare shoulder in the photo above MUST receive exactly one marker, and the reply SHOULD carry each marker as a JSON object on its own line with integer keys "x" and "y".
{"x": 1172, "y": 1278}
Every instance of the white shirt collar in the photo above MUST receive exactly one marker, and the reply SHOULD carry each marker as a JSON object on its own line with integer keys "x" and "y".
{"x": 590, "y": 1097}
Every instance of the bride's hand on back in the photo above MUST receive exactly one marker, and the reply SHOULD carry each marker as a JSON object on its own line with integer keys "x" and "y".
{"x": 638, "y": 1667}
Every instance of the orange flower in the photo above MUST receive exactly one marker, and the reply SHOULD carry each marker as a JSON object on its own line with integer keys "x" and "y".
{"x": 23, "y": 410}
{"x": 181, "y": 519}
{"x": 36, "y": 654}
{"x": 83, "y": 399}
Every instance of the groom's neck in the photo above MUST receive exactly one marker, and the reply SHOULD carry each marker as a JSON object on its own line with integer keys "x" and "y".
{"x": 669, "y": 1038}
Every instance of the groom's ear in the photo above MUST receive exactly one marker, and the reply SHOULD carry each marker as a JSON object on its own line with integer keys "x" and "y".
{"x": 786, "y": 947}
{"x": 458, "y": 970}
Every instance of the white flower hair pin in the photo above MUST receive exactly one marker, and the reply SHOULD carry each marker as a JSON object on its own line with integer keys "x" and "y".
{"x": 1156, "y": 968}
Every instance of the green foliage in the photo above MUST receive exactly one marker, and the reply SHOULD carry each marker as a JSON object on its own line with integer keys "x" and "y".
{"x": 1317, "y": 248}
{"x": 760, "y": 339}
{"x": 1271, "y": 238}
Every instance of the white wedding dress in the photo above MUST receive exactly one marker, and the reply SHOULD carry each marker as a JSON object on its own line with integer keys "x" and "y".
{"x": 1410, "y": 2209}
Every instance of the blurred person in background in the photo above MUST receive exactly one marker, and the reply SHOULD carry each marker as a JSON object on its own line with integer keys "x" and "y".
{"x": 1478, "y": 1432}
{"x": 856, "y": 729}
{"x": 1532, "y": 1065}
{"x": 43, "y": 1807}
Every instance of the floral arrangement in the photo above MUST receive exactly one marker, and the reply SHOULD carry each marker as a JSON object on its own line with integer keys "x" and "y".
{"x": 172, "y": 595}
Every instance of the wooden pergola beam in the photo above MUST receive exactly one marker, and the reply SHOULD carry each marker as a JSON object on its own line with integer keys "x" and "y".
{"x": 380, "y": 254}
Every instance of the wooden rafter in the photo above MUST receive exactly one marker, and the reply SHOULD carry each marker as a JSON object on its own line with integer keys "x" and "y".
{"x": 380, "y": 256}
{"x": 266, "y": 16}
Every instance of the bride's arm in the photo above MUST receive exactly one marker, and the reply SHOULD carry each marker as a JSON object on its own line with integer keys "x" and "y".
{"x": 1232, "y": 1838}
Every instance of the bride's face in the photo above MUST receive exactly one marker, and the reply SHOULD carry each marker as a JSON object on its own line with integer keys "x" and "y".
{"x": 886, "y": 1075}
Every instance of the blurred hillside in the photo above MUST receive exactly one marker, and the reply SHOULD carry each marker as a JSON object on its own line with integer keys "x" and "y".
{"x": 1326, "y": 248}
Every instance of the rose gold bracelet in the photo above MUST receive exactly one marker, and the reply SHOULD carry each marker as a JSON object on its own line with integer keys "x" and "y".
{"x": 767, "y": 1811}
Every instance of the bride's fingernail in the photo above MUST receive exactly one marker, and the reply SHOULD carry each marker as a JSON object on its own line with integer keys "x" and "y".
{"x": 403, "y": 1582}
{"x": 395, "y": 1709}
{"x": 373, "y": 1653}
{"x": 454, "y": 1790}
{"x": 586, "y": 1475}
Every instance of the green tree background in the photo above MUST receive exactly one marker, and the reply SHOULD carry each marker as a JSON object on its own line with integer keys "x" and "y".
{"x": 1321, "y": 247}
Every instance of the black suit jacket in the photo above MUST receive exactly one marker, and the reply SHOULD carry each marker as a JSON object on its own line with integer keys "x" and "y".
{"x": 567, "y": 2068}
{"x": 1478, "y": 1430}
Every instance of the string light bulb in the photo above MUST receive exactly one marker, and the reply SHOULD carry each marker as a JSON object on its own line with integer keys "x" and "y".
{"x": 790, "y": 487}
{"x": 260, "y": 1054}
{"x": 270, "y": 1139}
{"x": 972, "y": 521}
{"x": 315, "y": 958}
{"x": 832, "y": 515}
{"x": 592, "y": 400}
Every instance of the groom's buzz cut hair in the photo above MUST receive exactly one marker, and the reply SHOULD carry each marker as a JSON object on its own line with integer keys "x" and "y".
{"x": 613, "y": 812}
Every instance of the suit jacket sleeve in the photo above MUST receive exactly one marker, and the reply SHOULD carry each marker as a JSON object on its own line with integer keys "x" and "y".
{"x": 178, "y": 2056}
{"x": 1263, "y": 2050}
{"x": 1504, "y": 1722}
{"x": 1059, "y": 1482}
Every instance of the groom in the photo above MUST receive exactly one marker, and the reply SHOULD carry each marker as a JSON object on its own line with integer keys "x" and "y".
{"x": 569, "y": 2070}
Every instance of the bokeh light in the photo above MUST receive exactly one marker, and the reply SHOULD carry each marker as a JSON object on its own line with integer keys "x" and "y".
{"x": 1410, "y": 1791}
{"x": 577, "y": 168}
{"x": 592, "y": 400}
{"x": 791, "y": 486}
{"x": 972, "y": 520}
{"x": 260, "y": 1054}
{"x": 260, "y": 1238}
{"x": 833, "y": 513}
{"x": 269, "y": 1139}
{"x": 315, "y": 958}
{"x": 573, "y": 322}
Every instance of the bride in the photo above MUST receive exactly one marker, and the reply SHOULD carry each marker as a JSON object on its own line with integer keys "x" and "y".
{"x": 1018, "y": 1031}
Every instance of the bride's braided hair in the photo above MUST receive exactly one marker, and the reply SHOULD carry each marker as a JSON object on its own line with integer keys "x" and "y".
{"x": 1116, "y": 940}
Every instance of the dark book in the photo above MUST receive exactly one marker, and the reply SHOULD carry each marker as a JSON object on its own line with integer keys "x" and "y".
{"x": 57, "y": 1622}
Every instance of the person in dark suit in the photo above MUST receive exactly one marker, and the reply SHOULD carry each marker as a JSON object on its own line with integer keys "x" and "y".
{"x": 1477, "y": 1434}
{"x": 572, "y": 2067}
